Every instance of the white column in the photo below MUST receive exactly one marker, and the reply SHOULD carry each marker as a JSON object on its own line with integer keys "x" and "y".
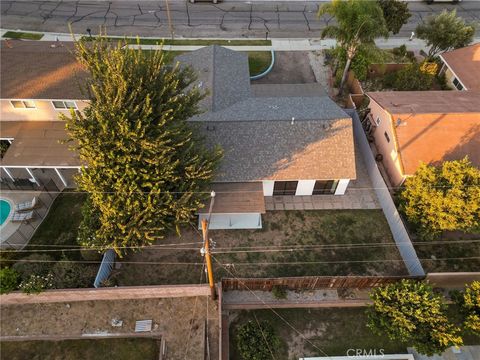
{"x": 305, "y": 187}
{"x": 32, "y": 176}
{"x": 8, "y": 173}
{"x": 268, "y": 187}
{"x": 62, "y": 179}
{"x": 342, "y": 186}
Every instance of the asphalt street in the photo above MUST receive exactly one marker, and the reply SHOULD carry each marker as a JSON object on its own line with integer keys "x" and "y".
{"x": 294, "y": 19}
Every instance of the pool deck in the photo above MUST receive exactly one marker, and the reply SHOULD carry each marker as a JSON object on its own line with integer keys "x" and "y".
{"x": 16, "y": 235}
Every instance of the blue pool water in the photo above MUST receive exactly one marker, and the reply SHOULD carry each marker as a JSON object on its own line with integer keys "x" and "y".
{"x": 5, "y": 209}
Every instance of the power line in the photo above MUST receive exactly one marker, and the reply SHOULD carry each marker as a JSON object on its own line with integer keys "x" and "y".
{"x": 244, "y": 249}
{"x": 239, "y": 264}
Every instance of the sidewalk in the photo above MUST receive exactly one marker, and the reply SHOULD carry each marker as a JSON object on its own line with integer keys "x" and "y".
{"x": 277, "y": 44}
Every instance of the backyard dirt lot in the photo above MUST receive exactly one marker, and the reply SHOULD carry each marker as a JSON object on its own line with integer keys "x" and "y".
{"x": 291, "y": 243}
{"x": 180, "y": 321}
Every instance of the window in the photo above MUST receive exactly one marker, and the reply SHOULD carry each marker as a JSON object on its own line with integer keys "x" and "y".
{"x": 325, "y": 187}
{"x": 23, "y": 104}
{"x": 457, "y": 84}
{"x": 387, "y": 137}
{"x": 64, "y": 105}
{"x": 284, "y": 187}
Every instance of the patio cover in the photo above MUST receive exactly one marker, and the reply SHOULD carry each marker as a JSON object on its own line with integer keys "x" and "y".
{"x": 37, "y": 144}
{"x": 237, "y": 198}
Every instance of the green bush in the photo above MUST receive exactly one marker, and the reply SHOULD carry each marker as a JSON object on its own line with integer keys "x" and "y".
{"x": 257, "y": 340}
{"x": 68, "y": 275}
{"x": 410, "y": 78}
{"x": 279, "y": 292}
{"x": 471, "y": 307}
{"x": 35, "y": 264}
{"x": 8, "y": 280}
{"x": 36, "y": 283}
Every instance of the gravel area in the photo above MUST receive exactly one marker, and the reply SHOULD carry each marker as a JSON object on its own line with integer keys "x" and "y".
{"x": 311, "y": 296}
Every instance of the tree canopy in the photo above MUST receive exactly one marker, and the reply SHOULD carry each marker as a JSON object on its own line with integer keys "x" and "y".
{"x": 145, "y": 167}
{"x": 396, "y": 14}
{"x": 409, "y": 311}
{"x": 445, "y": 31}
{"x": 441, "y": 198}
{"x": 358, "y": 23}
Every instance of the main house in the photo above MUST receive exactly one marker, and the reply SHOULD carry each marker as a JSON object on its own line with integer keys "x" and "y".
{"x": 410, "y": 127}
{"x": 278, "y": 140}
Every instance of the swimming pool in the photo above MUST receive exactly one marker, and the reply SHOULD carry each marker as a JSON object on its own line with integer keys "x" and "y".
{"x": 5, "y": 209}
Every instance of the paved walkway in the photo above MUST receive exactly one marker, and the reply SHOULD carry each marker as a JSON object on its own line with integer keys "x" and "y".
{"x": 278, "y": 44}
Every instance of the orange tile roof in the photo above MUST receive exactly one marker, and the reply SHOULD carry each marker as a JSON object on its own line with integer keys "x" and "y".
{"x": 465, "y": 63}
{"x": 445, "y": 128}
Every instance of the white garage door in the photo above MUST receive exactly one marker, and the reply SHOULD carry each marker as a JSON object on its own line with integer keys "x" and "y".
{"x": 232, "y": 221}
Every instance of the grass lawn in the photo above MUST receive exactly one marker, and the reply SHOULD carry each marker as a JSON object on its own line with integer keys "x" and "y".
{"x": 258, "y": 61}
{"x": 280, "y": 228}
{"x": 119, "y": 349}
{"x": 331, "y": 330}
{"x": 61, "y": 224}
{"x": 22, "y": 35}
{"x": 450, "y": 246}
{"x": 190, "y": 42}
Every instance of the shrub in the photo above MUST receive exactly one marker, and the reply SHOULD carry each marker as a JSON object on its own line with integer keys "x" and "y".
{"x": 67, "y": 274}
{"x": 8, "y": 280}
{"x": 279, "y": 292}
{"x": 91, "y": 255}
{"x": 36, "y": 283}
{"x": 257, "y": 340}
{"x": 430, "y": 68}
{"x": 471, "y": 307}
{"x": 409, "y": 311}
{"x": 35, "y": 264}
{"x": 410, "y": 78}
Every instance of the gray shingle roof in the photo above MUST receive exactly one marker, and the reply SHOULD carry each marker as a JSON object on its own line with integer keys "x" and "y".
{"x": 280, "y": 150}
{"x": 223, "y": 72}
{"x": 253, "y": 124}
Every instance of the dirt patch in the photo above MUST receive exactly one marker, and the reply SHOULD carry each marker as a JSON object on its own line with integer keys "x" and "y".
{"x": 291, "y": 243}
{"x": 180, "y": 321}
{"x": 291, "y": 67}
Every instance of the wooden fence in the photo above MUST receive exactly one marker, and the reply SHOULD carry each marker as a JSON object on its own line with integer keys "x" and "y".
{"x": 309, "y": 282}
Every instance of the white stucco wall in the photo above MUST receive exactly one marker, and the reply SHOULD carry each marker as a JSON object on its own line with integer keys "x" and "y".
{"x": 268, "y": 187}
{"x": 342, "y": 186}
{"x": 305, "y": 187}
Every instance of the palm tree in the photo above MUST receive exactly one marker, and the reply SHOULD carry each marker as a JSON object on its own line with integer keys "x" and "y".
{"x": 359, "y": 22}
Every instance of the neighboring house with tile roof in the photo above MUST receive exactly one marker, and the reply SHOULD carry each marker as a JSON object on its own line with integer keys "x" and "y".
{"x": 410, "y": 127}
{"x": 462, "y": 67}
{"x": 277, "y": 139}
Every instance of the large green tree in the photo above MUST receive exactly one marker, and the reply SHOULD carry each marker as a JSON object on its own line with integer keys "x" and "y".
{"x": 409, "y": 311}
{"x": 445, "y": 31}
{"x": 144, "y": 165}
{"x": 442, "y": 198}
{"x": 396, "y": 14}
{"x": 358, "y": 23}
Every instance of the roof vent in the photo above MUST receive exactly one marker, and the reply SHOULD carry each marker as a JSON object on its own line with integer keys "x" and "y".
{"x": 293, "y": 121}
{"x": 210, "y": 127}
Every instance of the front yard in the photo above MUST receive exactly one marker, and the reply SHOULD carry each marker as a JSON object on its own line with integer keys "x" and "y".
{"x": 291, "y": 243}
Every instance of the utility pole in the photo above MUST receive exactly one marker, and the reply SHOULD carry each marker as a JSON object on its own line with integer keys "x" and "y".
{"x": 208, "y": 259}
{"x": 169, "y": 18}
